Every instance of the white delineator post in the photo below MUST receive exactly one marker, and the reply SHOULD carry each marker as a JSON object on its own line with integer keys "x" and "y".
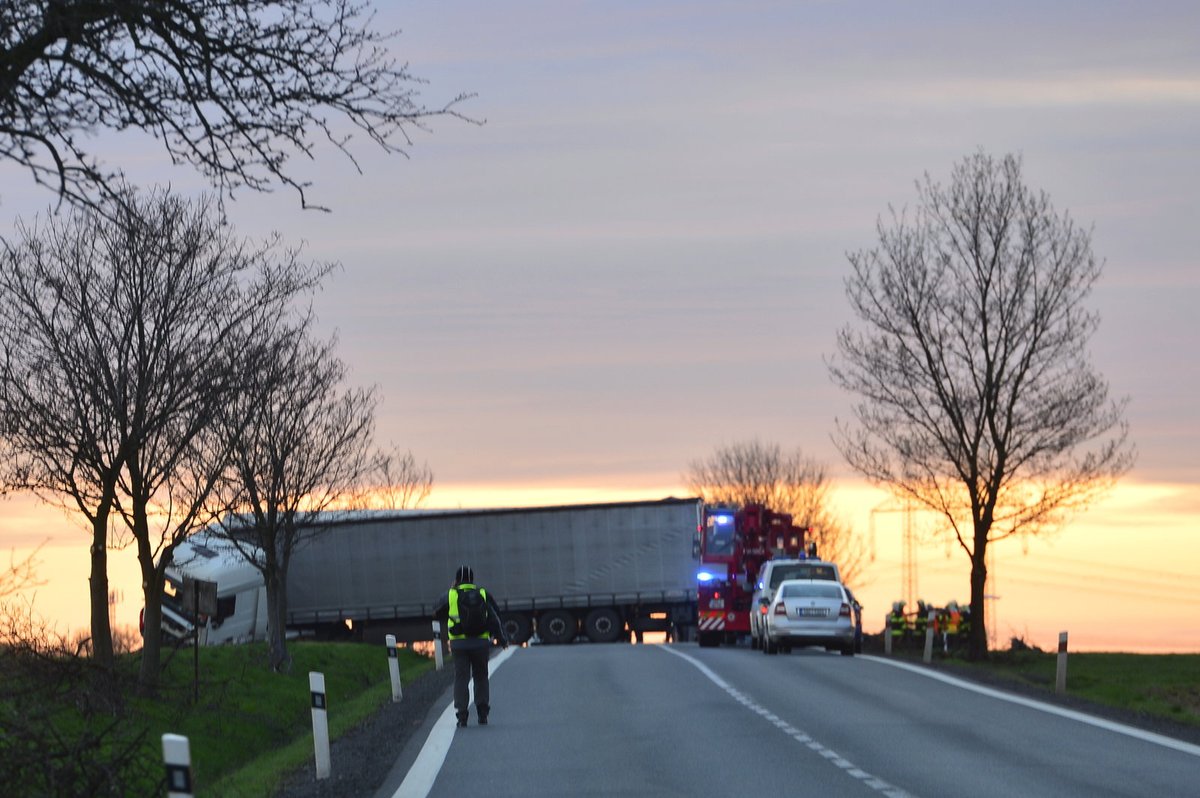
{"x": 394, "y": 668}
{"x": 320, "y": 721}
{"x": 1060, "y": 673}
{"x": 929, "y": 636}
{"x": 437, "y": 644}
{"x": 178, "y": 759}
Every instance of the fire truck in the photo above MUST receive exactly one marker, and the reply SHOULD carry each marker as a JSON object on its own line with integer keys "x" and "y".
{"x": 734, "y": 543}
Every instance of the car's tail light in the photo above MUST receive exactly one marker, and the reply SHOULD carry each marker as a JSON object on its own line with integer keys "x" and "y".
{"x": 844, "y": 612}
{"x": 780, "y": 609}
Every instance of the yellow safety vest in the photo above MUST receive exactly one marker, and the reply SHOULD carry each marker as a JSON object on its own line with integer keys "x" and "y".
{"x": 454, "y": 619}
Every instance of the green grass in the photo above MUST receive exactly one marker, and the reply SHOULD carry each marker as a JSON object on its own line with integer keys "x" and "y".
{"x": 1160, "y": 685}
{"x": 251, "y": 726}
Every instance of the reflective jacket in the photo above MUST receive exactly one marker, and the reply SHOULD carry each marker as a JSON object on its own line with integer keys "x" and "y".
{"x": 454, "y": 619}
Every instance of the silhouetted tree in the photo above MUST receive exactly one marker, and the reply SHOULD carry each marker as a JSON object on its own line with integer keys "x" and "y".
{"x": 125, "y": 334}
{"x": 788, "y": 482}
{"x": 976, "y": 395}
{"x": 308, "y": 448}
{"x": 231, "y": 87}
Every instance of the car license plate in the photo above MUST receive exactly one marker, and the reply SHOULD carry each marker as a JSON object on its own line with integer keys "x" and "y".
{"x": 813, "y": 612}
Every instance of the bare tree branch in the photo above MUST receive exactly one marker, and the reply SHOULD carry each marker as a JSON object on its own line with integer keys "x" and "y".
{"x": 234, "y": 88}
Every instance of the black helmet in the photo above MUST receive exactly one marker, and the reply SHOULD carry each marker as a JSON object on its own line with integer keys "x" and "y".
{"x": 464, "y": 575}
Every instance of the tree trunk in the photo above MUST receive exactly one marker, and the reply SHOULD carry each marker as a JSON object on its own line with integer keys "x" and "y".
{"x": 152, "y": 591}
{"x": 152, "y": 642}
{"x": 977, "y": 635}
{"x": 102, "y": 645}
{"x": 279, "y": 658}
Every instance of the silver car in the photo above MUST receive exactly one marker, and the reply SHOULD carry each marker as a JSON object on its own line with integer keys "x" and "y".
{"x": 809, "y": 612}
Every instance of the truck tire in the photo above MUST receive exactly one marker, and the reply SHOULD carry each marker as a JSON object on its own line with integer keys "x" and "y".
{"x": 710, "y": 639}
{"x": 557, "y": 626}
{"x": 518, "y": 627}
{"x": 603, "y": 625}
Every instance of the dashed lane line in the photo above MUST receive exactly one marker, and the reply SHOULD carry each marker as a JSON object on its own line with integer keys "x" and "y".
{"x": 836, "y": 759}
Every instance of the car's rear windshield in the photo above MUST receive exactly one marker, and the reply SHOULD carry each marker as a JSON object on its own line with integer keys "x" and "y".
{"x": 814, "y": 590}
{"x": 804, "y": 570}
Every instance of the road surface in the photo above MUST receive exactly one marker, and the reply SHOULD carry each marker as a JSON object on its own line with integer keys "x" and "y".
{"x": 612, "y": 720}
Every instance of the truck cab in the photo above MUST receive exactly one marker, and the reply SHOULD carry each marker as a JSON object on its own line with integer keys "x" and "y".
{"x": 241, "y": 597}
{"x": 734, "y": 542}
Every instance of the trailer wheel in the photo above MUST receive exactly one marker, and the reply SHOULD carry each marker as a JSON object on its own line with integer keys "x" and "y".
{"x": 603, "y": 625}
{"x": 518, "y": 627}
{"x": 557, "y": 626}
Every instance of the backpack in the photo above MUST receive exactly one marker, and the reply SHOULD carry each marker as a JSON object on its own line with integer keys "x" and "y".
{"x": 472, "y": 612}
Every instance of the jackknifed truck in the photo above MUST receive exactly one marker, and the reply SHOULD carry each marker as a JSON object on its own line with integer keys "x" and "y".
{"x": 605, "y": 572}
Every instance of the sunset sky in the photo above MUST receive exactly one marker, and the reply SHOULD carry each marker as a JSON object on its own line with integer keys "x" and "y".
{"x": 640, "y": 256}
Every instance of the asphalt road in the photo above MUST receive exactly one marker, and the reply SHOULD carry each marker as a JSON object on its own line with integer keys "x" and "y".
{"x": 611, "y": 720}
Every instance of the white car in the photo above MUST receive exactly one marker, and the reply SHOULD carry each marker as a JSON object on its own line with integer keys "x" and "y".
{"x": 770, "y": 576}
{"x": 809, "y": 612}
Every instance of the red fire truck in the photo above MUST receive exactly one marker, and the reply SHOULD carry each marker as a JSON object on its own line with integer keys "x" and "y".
{"x": 734, "y": 543}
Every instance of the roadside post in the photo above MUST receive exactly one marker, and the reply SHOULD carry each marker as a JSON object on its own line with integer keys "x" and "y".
{"x": 394, "y": 668}
{"x": 1060, "y": 673}
{"x": 320, "y": 721}
{"x": 929, "y": 636}
{"x": 178, "y": 759}
{"x": 887, "y": 635}
{"x": 200, "y": 595}
{"x": 437, "y": 644}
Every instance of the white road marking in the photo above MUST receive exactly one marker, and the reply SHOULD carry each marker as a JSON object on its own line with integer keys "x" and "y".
{"x": 834, "y": 757}
{"x": 424, "y": 771}
{"x": 1119, "y": 728}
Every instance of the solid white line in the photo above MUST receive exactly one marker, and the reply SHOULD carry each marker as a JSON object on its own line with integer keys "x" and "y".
{"x": 424, "y": 771}
{"x": 1091, "y": 720}
{"x": 834, "y": 757}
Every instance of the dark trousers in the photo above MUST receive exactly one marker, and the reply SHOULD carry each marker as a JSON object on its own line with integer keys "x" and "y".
{"x": 471, "y": 662}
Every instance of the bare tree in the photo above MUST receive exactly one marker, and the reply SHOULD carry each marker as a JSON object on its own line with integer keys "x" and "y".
{"x": 231, "y": 87}
{"x": 125, "y": 333}
{"x": 762, "y": 473}
{"x": 308, "y": 448}
{"x": 399, "y": 482}
{"x": 976, "y": 395}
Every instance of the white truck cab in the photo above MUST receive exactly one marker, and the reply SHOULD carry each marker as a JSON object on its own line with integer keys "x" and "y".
{"x": 770, "y": 575}
{"x": 241, "y": 596}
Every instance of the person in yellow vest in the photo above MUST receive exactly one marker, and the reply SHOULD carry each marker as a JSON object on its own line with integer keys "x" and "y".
{"x": 471, "y": 620}
{"x": 921, "y": 622}
{"x": 897, "y": 623}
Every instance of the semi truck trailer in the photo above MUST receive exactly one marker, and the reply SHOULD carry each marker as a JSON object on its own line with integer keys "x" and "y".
{"x": 601, "y": 571}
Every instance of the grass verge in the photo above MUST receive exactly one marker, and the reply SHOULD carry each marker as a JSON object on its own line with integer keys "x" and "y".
{"x": 251, "y": 726}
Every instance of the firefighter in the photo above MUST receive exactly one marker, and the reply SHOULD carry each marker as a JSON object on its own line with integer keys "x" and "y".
{"x": 897, "y": 623}
{"x": 470, "y": 648}
{"x": 953, "y": 618}
{"x": 921, "y": 622}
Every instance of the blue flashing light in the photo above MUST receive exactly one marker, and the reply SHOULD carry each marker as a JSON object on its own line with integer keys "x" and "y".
{"x": 723, "y": 519}
{"x": 705, "y": 576}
